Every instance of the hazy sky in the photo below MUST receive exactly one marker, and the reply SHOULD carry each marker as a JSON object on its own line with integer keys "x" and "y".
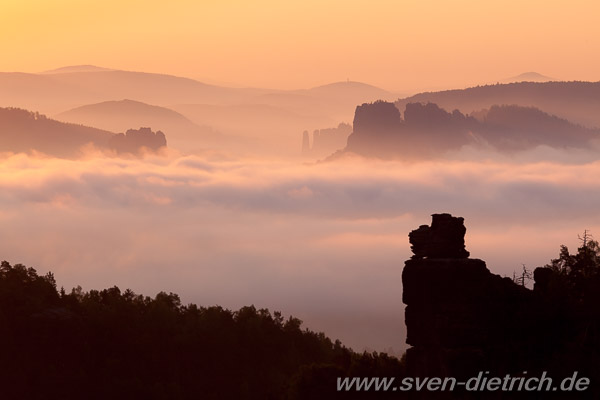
{"x": 399, "y": 45}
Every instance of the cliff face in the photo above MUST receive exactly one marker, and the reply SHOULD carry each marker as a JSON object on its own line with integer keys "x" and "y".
{"x": 462, "y": 319}
{"x": 425, "y": 131}
{"x": 430, "y": 131}
{"x": 376, "y": 131}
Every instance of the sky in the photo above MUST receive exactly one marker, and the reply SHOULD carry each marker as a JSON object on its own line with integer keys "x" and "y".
{"x": 398, "y": 45}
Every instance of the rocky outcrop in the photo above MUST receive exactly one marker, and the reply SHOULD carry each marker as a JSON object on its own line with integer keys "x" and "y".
{"x": 457, "y": 312}
{"x": 445, "y": 238}
{"x": 325, "y": 141}
{"x": 305, "y": 143}
{"x": 376, "y": 129}
{"x": 463, "y": 320}
{"x": 425, "y": 131}
{"x": 135, "y": 140}
{"x": 429, "y": 131}
{"x": 379, "y": 117}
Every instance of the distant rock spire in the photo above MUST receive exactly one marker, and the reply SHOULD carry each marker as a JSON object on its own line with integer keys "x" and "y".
{"x": 305, "y": 143}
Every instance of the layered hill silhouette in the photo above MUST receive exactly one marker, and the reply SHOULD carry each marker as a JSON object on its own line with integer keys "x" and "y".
{"x": 26, "y": 131}
{"x": 578, "y": 102}
{"x": 74, "y": 86}
{"x": 70, "y": 87}
{"x": 117, "y": 116}
{"x": 254, "y": 118}
{"x": 426, "y": 130}
{"x": 269, "y": 118}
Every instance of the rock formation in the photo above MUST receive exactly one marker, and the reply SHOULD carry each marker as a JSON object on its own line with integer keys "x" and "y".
{"x": 325, "y": 141}
{"x": 134, "y": 140}
{"x": 376, "y": 130}
{"x": 305, "y": 143}
{"x": 444, "y": 239}
{"x": 462, "y": 320}
{"x": 457, "y": 311}
{"x": 429, "y": 131}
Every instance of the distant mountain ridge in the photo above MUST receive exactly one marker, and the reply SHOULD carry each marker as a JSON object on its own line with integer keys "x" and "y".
{"x": 529, "y": 77}
{"x": 68, "y": 87}
{"x": 77, "y": 68}
{"x": 578, "y": 102}
{"x": 71, "y": 87}
{"x": 344, "y": 88}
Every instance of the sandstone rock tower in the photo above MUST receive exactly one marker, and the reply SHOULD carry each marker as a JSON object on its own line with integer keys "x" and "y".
{"x": 456, "y": 310}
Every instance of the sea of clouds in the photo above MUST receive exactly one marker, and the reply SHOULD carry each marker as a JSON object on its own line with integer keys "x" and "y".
{"x": 324, "y": 242}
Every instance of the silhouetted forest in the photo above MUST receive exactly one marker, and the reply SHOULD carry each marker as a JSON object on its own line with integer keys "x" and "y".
{"x": 575, "y": 101}
{"x": 24, "y": 131}
{"x": 429, "y": 131}
{"x": 113, "y": 344}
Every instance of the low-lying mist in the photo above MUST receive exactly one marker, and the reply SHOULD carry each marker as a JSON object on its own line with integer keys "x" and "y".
{"x": 324, "y": 242}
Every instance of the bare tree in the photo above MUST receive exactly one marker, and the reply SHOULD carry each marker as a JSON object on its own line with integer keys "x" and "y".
{"x": 524, "y": 277}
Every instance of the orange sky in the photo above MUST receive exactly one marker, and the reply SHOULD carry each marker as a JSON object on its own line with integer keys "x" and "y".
{"x": 398, "y": 45}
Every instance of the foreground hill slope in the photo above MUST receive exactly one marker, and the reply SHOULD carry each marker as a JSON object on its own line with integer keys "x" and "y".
{"x": 118, "y": 344}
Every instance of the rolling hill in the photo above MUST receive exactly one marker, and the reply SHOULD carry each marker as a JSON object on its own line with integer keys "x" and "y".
{"x": 69, "y": 87}
{"x": 528, "y": 77}
{"x": 184, "y": 135}
{"x": 117, "y": 116}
